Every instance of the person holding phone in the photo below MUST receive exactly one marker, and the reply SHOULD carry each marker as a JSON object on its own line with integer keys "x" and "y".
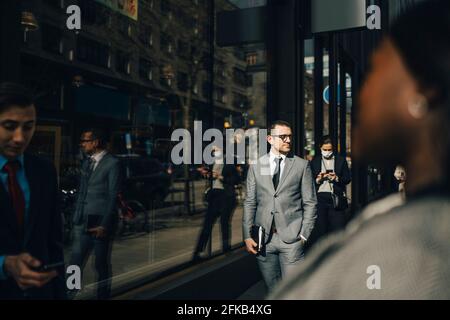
{"x": 332, "y": 176}
{"x": 30, "y": 223}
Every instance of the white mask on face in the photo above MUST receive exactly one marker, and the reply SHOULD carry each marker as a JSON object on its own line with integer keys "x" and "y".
{"x": 327, "y": 154}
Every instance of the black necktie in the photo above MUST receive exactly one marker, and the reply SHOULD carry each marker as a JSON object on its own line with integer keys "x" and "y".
{"x": 276, "y": 176}
{"x": 90, "y": 167}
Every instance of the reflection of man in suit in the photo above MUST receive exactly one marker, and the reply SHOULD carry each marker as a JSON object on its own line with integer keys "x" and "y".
{"x": 31, "y": 225}
{"x": 96, "y": 205}
{"x": 281, "y": 197}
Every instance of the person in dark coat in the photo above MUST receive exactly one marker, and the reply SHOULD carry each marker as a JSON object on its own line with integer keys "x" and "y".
{"x": 31, "y": 229}
{"x": 332, "y": 175}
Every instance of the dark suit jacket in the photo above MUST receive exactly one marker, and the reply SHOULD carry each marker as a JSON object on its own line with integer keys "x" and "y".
{"x": 231, "y": 178}
{"x": 341, "y": 169}
{"x": 43, "y": 230}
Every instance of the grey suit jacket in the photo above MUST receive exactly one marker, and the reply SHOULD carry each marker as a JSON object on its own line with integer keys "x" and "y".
{"x": 409, "y": 243}
{"x": 97, "y": 194}
{"x": 293, "y": 205}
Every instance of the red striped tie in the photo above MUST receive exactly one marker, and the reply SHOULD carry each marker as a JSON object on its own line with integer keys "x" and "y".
{"x": 15, "y": 192}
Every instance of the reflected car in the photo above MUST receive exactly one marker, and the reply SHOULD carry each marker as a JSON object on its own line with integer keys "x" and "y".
{"x": 146, "y": 180}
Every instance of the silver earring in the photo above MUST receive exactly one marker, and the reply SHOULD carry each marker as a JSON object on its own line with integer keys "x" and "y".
{"x": 418, "y": 108}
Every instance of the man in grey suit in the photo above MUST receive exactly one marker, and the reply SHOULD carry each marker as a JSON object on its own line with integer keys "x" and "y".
{"x": 96, "y": 212}
{"x": 281, "y": 198}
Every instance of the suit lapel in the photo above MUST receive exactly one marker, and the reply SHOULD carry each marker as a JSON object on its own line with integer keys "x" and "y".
{"x": 287, "y": 168}
{"x": 35, "y": 189}
{"x": 99, "y": 166}
{"x": 264, "y": 172}
{"x": 9, "y": 214}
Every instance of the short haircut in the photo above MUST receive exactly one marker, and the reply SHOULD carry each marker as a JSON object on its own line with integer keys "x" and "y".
{"x": 97, "y": 134}
{"x": 326, "y": 140}
{"x": 14, "y": 94}
{"x": 425, "y": 47}
{"x": 425, "y": 50}
{"x": 280, "y": 123}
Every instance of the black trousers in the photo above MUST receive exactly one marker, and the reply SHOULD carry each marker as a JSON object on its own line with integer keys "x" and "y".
{"x": 328, "y": 219}
{"x": 221, "y": 204}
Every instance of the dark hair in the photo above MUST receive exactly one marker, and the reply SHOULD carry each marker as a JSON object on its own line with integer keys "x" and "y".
{"x": 422, "y": 37}
{"x": 97, "y": 134}
{"x": 13, "y": 94}
{"x": 326, "y": 140}
{"x": 279, "y": 123}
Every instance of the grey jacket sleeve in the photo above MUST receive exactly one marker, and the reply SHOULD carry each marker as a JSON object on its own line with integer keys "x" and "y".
{"x": 114, "y": 184}
{"x": 309, "y": 199}
{"x": 249, "y": 203}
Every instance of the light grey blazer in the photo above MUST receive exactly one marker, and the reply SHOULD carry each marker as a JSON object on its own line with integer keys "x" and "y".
{"x": 293, "y": 205}
{"x": 409, "y": 245}
{"x": 97, "y": 194}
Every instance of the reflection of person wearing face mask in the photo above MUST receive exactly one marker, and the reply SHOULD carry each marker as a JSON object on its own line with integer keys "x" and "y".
{"x": 221, "y": 202}
{"x": 332, "y": 175}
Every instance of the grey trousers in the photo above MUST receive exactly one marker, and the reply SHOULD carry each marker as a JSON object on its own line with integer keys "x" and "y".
{"x": 279, "y": 259}
{"x": 83, "y": 245}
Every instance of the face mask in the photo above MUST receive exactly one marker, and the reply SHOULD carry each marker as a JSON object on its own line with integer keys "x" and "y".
{"x": 327, "y": 154}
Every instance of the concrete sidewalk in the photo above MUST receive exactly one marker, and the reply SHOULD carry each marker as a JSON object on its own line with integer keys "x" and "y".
{"x": 257, "y": 292}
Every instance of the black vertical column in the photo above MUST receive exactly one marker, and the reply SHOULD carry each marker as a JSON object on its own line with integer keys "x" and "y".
{"x": 318, "y": 89}
{"x": 299, "y": 124}
{"x": 212, "y": 36}
{"x": 10, "y": 40}
{"x": 210, "y": 71}
{"x": 333, "y": 53}
{"x": 359, "y": 170}
{"x": 285, "y": 53}
{"x": 343, "y": 111}
{"x": 385, "y": 23}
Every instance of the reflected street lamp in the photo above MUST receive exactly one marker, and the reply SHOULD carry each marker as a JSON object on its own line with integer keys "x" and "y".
{"x": 29, "y": 23}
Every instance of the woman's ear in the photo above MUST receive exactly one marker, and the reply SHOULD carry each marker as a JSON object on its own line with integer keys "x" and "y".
{"x": 418, "y": 107}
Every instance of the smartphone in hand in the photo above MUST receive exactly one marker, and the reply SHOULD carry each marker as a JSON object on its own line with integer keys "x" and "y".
{"x": 50, "y": 266}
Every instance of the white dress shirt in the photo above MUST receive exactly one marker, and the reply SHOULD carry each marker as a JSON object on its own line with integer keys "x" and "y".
{"x": 273, "y": 163}
{"x": 96, "y": 158}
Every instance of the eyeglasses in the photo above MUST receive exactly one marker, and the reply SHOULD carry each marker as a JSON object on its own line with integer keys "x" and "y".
{"x": 84, "y": 141}
{"x": 283, "y": 137}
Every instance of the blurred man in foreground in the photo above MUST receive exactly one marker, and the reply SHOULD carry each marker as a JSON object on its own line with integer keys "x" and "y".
{"x": 396, "y": 249}
{"x": 31, "y": 232}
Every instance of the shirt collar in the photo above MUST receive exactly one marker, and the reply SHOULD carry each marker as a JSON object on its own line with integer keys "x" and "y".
{"x": 273, "y": 156}
{"x": 98, "y": 156}
{"x": 3, "y": 161}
